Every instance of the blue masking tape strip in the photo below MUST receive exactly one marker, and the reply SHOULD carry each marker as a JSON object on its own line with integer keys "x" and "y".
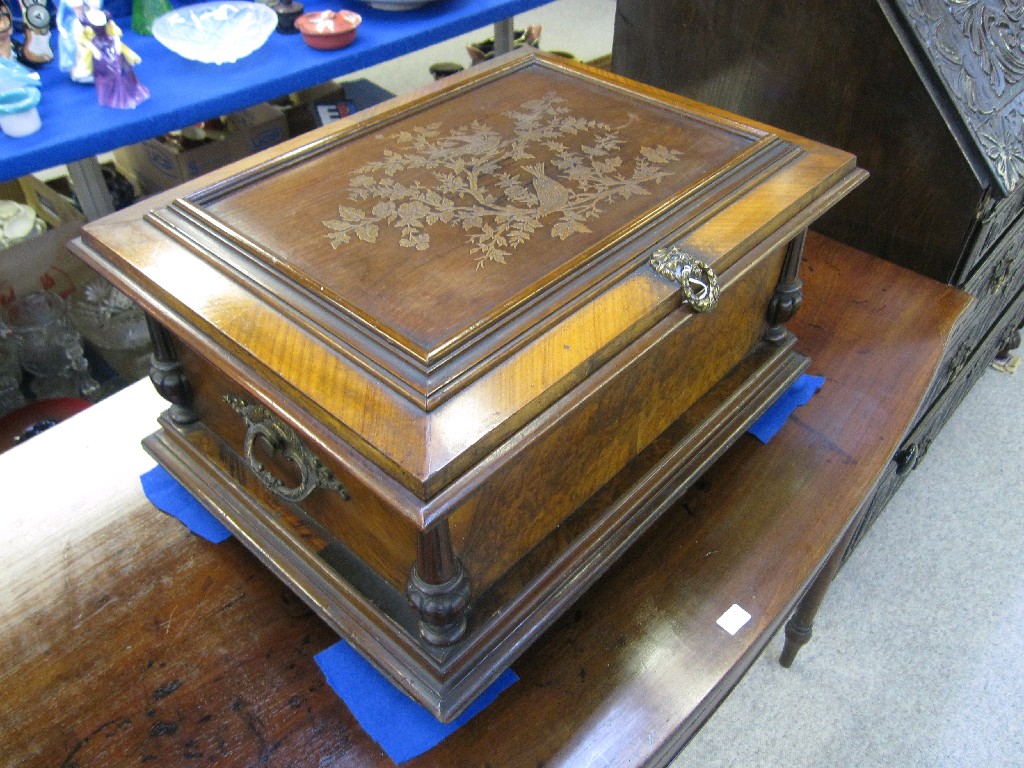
{"x": 402, "y": 728}
{"x": 799, "y": 393}
{"x": 169, "y": 496}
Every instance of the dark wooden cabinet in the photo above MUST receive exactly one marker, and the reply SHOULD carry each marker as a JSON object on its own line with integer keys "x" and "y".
{"x": 929, "y": 94}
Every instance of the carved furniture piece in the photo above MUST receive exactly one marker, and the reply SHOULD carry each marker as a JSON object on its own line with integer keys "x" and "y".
{"x": 129, "y": 640}
{"x": 409, "y": 355}
{"x": 929, "y": 94}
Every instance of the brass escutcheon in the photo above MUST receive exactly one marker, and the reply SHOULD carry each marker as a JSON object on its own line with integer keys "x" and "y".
{"x": 697, "y": 280}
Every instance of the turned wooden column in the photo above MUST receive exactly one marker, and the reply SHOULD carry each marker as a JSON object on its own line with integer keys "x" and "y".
{"x": 789, "y": 293}
{"x": 438, "y": 587}
{"x": 800, "y": 626}
{"x": 167, "y": 375}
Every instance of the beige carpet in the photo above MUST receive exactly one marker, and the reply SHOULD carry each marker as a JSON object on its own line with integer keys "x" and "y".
{"x": 918, "y": 654}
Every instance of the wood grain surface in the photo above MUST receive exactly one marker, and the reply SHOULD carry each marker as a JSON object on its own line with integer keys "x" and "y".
{"x": 128, "y": 640}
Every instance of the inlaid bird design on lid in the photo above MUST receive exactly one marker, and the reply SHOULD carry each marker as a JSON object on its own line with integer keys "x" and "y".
{"x": 476, "y": 181}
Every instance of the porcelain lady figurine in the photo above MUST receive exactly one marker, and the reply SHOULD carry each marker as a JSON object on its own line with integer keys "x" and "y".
{"x": 110, "y": 61}
{"x": 68, "y": 13}
{"x": 81, "y": 53}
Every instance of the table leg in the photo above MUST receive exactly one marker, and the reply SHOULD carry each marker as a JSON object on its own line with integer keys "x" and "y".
{"x": 90, "y": 188}
{"x": 801, "y": 623}
{"x": 503, "y": 36}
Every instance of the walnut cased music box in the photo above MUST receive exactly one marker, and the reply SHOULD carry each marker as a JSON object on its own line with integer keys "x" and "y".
{"x": 440, "y": 363}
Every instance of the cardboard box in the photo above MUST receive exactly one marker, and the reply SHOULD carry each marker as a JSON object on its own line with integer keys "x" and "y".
{"x": 42, "y": 262}
{"x": 52, "y": 200}
{"x": 159, "y": 164}
{"x": 156, "y": 164}
{"x": 316, "y": 106}
{"x": 258, "y": 128}
{"x": 353, "y": 95}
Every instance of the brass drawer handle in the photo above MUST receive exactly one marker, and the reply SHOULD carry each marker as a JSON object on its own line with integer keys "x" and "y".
{"x": 280, "y": 440}
{"x": 699, "y": 283}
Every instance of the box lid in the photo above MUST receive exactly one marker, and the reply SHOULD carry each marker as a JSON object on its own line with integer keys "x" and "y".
{"x": 975, "y": 51}
{"x": 426, "y": 277}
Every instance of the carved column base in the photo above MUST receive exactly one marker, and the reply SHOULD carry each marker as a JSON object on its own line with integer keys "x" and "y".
{"x": 173, "y": 387}
{"x": 789, "y": 293}
{"x": 442, "y": 607}
{"x": 168, "y": 376}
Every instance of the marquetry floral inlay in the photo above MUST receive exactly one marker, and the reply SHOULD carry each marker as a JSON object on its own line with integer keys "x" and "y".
{"x": 542, "y": 167}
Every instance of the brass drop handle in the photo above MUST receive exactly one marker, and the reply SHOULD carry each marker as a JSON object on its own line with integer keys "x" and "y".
{"x": 278, "y": 439}
{"x": 698, "y": 281}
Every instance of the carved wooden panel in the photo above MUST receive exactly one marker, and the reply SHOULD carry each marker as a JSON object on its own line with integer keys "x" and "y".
{"x": 977, "y": 48}
{"x": 440, "y": 226}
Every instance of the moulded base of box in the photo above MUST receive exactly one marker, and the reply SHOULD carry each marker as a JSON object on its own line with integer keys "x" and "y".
{"x": 377, "y": 620}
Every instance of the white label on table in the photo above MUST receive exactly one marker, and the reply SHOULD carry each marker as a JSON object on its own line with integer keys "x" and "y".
{"x": 733, "y": 619}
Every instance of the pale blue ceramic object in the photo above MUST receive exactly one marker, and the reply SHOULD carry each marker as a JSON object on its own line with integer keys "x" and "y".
{"x": 15, "y": 75}
{"x": 19, "y": 96}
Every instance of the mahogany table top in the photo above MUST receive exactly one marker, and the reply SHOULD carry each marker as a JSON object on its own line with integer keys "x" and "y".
{"x": 127, "y": 639}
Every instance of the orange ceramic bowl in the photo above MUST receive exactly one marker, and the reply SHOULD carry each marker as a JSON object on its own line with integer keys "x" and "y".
{"x": 328, "y": 30}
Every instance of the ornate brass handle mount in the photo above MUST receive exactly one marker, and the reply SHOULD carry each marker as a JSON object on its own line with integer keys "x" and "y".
{"x": 278, "y": 439}
{"x": 698, "y": 281}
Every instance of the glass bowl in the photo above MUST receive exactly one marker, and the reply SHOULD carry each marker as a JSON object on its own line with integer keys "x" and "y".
{"x": 216, "y": 33}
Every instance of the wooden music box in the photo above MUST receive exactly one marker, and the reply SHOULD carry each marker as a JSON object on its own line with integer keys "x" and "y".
{"x": 438, "y": 364}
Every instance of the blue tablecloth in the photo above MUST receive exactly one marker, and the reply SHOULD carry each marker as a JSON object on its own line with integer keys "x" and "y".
{"x": 185, "y": 92}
